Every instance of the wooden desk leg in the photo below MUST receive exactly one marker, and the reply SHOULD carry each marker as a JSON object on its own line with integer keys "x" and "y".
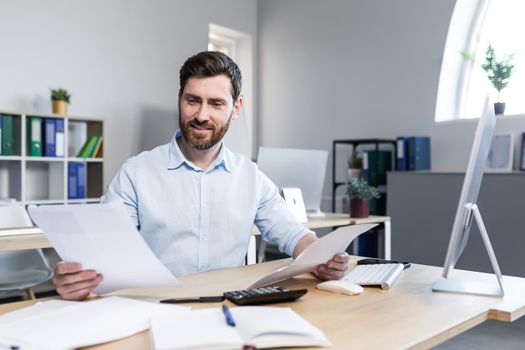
{"x": 252, "y": 251}
{"x": 388, "y": 240}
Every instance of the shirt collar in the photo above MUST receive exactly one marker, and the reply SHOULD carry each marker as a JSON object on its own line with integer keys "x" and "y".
{"x": 176, "y": 158}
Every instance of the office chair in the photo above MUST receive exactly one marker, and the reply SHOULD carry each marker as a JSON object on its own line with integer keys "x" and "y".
{"x": 23, "y": 269}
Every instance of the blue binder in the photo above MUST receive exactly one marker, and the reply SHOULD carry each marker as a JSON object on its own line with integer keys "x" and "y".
{"x": 81, "y": 180}
{"x": 59, "y": 137}
{"x": 72, "y": 181}
{"x": 1, "y": 134}
{"x": 419, "y": 153}
{"x": 49, "y": 137}
{"x": 402, "y": 153}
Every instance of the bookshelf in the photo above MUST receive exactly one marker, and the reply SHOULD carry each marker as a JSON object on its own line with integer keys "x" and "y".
{"x": 360, "y": 145}
{"x": 40, "y": 179}
{"x": 368, "y": 244}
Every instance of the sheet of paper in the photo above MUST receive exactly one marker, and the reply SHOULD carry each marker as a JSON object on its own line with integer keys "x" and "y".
{"x": 103, "y": 237}
{"x": 58, "y": 325}
{"x": 316, "y": 253}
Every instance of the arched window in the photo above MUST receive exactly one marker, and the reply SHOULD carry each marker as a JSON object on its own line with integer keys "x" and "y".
{"x": 463, "y": 84}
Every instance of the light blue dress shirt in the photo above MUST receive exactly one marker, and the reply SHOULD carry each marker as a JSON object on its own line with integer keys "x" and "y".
{"x": 197, "y": 220}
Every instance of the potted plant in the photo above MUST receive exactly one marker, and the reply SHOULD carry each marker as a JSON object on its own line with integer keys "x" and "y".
{"x": 355, "y": 166}
{"x": 499, "y": 73}
{"x": 360, "y": 193}
{"x": 60, "y": 98}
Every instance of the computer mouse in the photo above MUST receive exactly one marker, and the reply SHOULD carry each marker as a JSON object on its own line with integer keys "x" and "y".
{"x": 340, "y": 286}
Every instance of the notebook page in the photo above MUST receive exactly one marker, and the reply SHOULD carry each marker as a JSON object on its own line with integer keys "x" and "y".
{"x": 195, "y": 329}
{"x": 276, "y": 327}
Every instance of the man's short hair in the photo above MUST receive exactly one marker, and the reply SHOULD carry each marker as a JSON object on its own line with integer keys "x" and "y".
{"x": 210, "y": 64}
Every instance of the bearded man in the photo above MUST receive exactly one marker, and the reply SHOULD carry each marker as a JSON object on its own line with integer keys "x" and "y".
{"x": 193, "y": 200}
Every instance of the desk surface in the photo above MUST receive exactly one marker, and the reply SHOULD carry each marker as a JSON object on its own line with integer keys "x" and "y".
{"x": 33, "y": 241}
{"x": 409, "y": 315}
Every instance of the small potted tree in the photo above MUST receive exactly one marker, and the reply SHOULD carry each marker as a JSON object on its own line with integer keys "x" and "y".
{"x": 360, "y": 194}
{"x": 355, "y": 166}
{"x": 499, "y": 73}
{"x": 60, "y": 99}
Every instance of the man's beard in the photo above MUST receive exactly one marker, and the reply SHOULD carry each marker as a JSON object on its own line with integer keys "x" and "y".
{"x": 202, "y": 142}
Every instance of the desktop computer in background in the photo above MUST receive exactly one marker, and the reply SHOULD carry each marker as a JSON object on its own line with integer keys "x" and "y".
{"x": 302, "y": 168}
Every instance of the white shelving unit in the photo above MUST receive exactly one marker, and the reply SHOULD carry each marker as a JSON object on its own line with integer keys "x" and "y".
{"x": 44, "y": 180}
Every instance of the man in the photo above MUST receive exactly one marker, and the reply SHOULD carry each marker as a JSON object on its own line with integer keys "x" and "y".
{"x": 193, "y": 200}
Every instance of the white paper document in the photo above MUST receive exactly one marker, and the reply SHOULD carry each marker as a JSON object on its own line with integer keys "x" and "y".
{"x": 61, "y": 325}
{"x": 255, "y": 326}
{"x": 103, "y": 237}
{"x": 316, "y": 253}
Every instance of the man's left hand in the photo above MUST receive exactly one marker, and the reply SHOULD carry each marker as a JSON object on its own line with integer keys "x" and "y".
{"x": 334, "y": 269}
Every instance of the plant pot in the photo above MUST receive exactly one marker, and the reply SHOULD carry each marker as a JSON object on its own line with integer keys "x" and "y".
{"x": 59, "y": 107}
{"x": 359, "y": 208}
{"x": 499, "y": 107}
{"x": 354, "y": 173}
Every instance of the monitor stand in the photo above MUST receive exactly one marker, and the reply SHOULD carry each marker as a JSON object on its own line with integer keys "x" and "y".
{"x": 316, "y": 213}
{"x": 447, "y": 285}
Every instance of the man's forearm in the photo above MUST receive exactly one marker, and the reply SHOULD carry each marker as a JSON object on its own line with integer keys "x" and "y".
{"x": 303, "y": 243}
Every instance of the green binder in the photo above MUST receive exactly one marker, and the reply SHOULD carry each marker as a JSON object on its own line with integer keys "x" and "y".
{"x": 7, "y": 135}
{"x": 88, "y": 148}
{"x": 34, "y": 136}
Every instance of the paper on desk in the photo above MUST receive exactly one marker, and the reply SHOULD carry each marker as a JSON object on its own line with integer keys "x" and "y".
{"x": 316, "y": 253}
{"x": 60, "y": 325}
{"x": 104, "y": 238}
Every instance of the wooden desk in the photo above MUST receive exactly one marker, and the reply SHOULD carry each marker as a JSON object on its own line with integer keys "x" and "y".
{"x": 33, "y": 241}
{"x": 409, "y": 315}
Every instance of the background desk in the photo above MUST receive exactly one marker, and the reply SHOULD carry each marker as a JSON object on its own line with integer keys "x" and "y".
{"x": 33, "y": 241}
{"x": 409, "y": 315}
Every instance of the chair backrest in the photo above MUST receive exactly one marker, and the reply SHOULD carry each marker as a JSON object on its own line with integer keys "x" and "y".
{"x": 24, "y": 268}
{"x": 14, "y": 215}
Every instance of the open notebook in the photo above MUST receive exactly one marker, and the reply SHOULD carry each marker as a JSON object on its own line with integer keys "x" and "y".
{"x": 260, "y": 327}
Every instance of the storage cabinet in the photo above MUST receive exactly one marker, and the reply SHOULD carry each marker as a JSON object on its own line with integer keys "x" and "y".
{"x": 29, "y": 176}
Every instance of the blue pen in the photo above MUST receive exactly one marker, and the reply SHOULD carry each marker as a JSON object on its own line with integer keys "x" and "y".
{"x": 228, "y": 315}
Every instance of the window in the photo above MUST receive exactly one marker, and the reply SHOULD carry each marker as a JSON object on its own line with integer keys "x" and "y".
{"x": 241, "y": 136}
{"x": 463, "y": 84}
{"x": 222, "y": 44}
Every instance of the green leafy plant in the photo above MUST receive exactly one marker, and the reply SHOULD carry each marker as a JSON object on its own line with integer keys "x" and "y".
{"x": 498, "y": 72}
{"x": 355, "y": 162}
{"x": 60, "y": 95}
{"x": 360, "y": 189}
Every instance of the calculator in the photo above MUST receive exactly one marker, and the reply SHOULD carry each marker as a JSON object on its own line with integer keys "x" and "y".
{"x": 264, "y": 295}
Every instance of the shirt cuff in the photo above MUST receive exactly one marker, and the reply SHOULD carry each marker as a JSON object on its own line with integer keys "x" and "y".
{"x": 288, "y": 245}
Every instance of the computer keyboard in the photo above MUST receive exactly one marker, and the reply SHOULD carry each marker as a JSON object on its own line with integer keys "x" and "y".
{"x": 384, "y": 275}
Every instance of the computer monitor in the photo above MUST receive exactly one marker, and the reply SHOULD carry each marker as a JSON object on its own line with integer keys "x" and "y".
{"x": 303, "y": 168}
{"x": 468, "y": 211}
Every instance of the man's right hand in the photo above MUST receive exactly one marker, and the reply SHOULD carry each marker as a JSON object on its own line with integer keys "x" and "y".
{"x": 73, "y": 283}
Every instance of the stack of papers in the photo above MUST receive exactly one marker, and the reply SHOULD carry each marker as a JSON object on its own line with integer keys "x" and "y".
{"x": 61, "y": 325}
{"x": 255, "y": 326}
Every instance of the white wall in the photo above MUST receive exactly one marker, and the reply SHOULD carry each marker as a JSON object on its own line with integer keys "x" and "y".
{"x": 343, "y": 69}
{"x": 119, "y": 58}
